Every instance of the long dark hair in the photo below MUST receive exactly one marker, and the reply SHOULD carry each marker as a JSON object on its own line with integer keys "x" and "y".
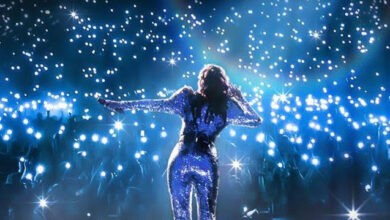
{"x": 213, "y": 85}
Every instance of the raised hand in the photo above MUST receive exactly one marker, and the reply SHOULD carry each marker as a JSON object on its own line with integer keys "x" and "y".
{"x": 233, "y": 91}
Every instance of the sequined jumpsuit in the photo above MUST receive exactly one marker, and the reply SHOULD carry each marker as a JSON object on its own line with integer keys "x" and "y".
{"x": 193, "y": 162}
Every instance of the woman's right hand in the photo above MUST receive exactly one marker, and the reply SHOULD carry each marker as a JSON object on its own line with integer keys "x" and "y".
{"x": 112, "y": 105}
{"x": 234, "y": 92}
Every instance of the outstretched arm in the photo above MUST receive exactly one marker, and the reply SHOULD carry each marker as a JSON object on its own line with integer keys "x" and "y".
{"x": 172, "y": 105}
{"x": 239, "y": 112}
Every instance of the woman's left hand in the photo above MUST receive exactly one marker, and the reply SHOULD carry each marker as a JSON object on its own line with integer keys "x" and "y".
{"x": 110, "y": 105}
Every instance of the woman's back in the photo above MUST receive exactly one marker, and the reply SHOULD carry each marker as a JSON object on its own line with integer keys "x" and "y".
{"x": 198, "y": 122}
{"x": 193, "y": 161}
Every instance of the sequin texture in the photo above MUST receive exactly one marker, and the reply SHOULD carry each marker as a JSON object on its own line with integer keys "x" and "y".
{"x": 193, "y": 163}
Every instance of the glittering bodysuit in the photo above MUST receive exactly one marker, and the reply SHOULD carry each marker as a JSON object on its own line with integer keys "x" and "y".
{"x": 193, "y": 161}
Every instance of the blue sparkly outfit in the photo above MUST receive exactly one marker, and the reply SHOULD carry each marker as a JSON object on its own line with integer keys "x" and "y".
{"x": 193, "y": 161}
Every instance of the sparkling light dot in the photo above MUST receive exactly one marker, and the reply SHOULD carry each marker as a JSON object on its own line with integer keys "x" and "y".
{"x": 95, "y": 137}
{"x": 43, "y": 203}
{"x": 315, "y": 161}
{"x": 353, "y": 215}
{"x": 118, "y": 125}
{"x": 40, "y": 169}
{"x": 83, "y": 137}
{"x": 38, "y": 135}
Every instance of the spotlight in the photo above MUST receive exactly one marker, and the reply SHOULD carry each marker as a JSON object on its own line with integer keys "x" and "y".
{"x": 172, "y": 61}
{"x": 118, "y": 125}
{"x": 353, "y": 215}
{"x": 73, "y": 14}
{"x": 316, "y": 35}
{"x": 236, "y": 164}
{"x": 43, "y": 203}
